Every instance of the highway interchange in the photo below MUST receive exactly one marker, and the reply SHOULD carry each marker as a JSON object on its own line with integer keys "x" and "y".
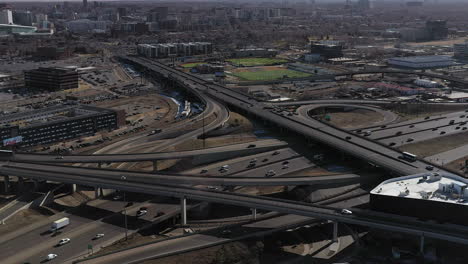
{"x": 354, "y": 143}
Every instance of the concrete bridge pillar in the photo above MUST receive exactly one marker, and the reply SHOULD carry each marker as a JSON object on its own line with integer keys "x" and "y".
{"x": 254, "y": 213}
{"x": 97, "y": 192}
{"x": 183, "y": 211}
{"x": 421, "y": 245}
{"x": 20, "y": 184}
{"x": 155, "y": 165}
{"x": 36, "y": 184}
{"x": 73, "y": 188}
{"x": 6, "y": 182}
{"x": 335, "y": 231}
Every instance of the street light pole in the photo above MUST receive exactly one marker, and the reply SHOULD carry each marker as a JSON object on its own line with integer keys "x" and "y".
{"x": 125, "y": 211}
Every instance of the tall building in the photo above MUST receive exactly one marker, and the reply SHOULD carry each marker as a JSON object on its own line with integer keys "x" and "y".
{"x": 437, "y": 29}
{"x": 6, "y": 16}
{"x": 158, "y": 14}
{"x": 85, "y": 3}
{"x": 51, "y": 79}
{"x": 24, "y": 18}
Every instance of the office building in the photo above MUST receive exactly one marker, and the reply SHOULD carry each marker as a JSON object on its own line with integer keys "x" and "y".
{"x": 158, "y": 14}
{"x": 327, "y": 49}
{"x": 174, "y": 49}
{"x": 6, "y": 16}
{"x": 422, "y": 62}
{"x": 53, "y": 79}
{"x": 85, "y": 3}
{"x": 24, "y": 18}
{"x": 58, "y": 123}
{"x": 460, "y": 51}
{"x": 437, "y": 29}
{"x": 434, "y": 196}
{"x": 16, "y": 29}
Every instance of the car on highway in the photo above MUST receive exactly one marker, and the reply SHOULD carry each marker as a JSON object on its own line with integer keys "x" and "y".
{"x": 392, "y": 144}
{"x": 251, "y": 165}
{"x": 348, "y": 138}
{"x": 285, "y": 167}
{"x": 429, "y": 167}
{"x": 411, "y": 126}
{"x": 464, "y": 128}
{"x": 98, "y": 236}
{"x": 59, "y": 158}
{"x": 346, "y": 212}
{"x": 270, "y": 173}
{"x": 264, "y": 160}
{"x": 409, "y": 140}
{"x": 285, "y": 162}
{"x": 427, "y": 117}
{"x": 203, "y": 171}
{"x": 253, "y": 161}
{"x": 276, "y": 153}
{"x": 51, "y": 256}
{"x": 116, "y": 197}
{"x": 399, "y": 133}
{"x": 367, "y": 133}
{"x": 223, "y": 170}
{"x": 63, "y": 241}
{"x": 435, "y": 129}
{"x": 251, "y": 146}
{"x": 224, "y": 167}
{"x": 140, "y": 213}
{"x": 442, "y": 132}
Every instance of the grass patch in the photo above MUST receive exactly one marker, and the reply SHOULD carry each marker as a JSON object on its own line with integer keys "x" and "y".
{"x": 191, "y": 64}
{"x": 256, "y": 61}
{"x": 268, "y": 75}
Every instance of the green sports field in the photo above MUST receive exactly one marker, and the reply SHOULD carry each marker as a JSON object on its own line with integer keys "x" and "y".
{"x": 256, "y": 61}
{"x": 269, "y": 75}
{"x": 191, "y": 65}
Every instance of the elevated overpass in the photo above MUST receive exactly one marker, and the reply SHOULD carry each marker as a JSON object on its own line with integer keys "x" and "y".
{"x": 44, "y": 171}
{"x": 221, "y": 152}
{"x": 355, "y": 145}
{"x": 372, "y": 219}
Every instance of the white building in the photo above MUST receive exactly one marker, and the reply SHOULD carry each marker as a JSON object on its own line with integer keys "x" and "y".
{"x": 174, "y": 49}
{"x": 426, "y": 83}
{"x": 6, "y": 17}
{"x": 422, "y": 62}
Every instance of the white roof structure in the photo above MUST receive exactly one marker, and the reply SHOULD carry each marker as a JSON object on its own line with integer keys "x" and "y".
{"x": 432, "y": 186}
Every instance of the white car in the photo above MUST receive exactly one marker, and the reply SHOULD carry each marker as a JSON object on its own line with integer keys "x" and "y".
{"x": 346, "y": 212}
{"x": 97, "y": 236}
{"x": 63, "y": 241}
{"x": 270, "y": 173}
{"x": 141, "y": 213}
{"x": 51, "y": 256}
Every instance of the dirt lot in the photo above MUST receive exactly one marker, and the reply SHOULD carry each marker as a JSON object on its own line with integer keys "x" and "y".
{"x": 21, "y": 219}
{"x": 436, "y": 145}
{"x": 356, "y": 118}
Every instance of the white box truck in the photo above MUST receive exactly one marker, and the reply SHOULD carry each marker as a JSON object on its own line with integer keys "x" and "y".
{"x": 56, "y": 225}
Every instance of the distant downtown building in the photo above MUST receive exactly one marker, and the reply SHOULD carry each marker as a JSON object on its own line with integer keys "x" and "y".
{"x": 422, "y": 62}
{"x": 51, "y": 78}
{"x": 460, "y": 51}
{"x": 58, "y": 123}
{"x": 174, "y": 49}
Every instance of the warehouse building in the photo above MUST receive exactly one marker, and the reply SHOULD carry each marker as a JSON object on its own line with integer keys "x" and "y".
{"x": 51, "y": 78}
{"x": 422, "y": 62}
{"x": 435, "y": 196}
{"x": 58, "y": 123}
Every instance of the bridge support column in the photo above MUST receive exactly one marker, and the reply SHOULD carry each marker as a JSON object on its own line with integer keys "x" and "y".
{"x": 97, "y": 192}
{"x": 20, "y": 184}
{"x": 335, "y": 231}
{"x": 36, "y": 185}
{"x": 155, "y": 165}
{"x": 183, "y": 211}
{"x": 73, "y": 188}
{"x": 421, "y": 245}
{"x": 254, "y": 213}
{"x": 6, "y": 182}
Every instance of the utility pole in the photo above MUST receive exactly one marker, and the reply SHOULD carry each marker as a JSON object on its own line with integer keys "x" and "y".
{"x": 125, "y": 211}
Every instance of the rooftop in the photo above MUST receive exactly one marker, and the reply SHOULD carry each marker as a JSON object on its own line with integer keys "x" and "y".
{"x": 423, "y": 59}
{"x": 432, "y": 186}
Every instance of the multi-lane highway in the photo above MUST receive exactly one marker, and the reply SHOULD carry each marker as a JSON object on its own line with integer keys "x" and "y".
{"x": 373, "y": 219}
{"x": 51, "y": 172}
{"x": 239, "y": 149}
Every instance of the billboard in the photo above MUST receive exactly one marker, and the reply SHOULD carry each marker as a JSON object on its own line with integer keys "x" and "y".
{"x": 12, "y": 141}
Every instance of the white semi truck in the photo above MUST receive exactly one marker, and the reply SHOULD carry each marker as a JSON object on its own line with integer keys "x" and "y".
{"x": 56, "y": 225}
